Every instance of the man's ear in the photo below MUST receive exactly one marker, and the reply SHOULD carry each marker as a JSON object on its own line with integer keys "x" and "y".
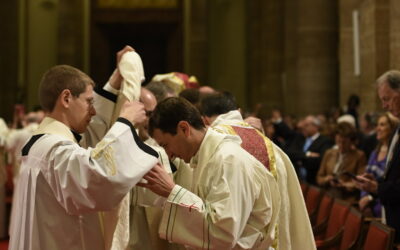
{"x": 184, "y": 127}
{"x": 65, "y": 98}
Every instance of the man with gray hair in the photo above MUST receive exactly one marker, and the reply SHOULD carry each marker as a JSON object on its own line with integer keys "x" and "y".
{"x": 307, "y": 149}
{"x": 387, "y": 188}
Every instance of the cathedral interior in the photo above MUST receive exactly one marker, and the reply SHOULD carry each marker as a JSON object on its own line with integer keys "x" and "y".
{"x": 301, "y": 56}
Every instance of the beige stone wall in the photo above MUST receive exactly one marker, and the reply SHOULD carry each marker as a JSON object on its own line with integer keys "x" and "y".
{"x": 226, "y": 50}
{"x": 394, "y": 33}
{"x": 314, "y": 81}
{"x": 290, "y": 72}
{"x": 265, "y": 47}
{"x": 293, "y": 54}
{"x": 349, "y": 83}
{"x": 70, "y": 33}
{"x": 378, "y": 41}
{"x": 196, "y": 39}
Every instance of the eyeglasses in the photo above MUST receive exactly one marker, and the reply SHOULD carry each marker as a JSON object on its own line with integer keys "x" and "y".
{"x": 89, "y": 102}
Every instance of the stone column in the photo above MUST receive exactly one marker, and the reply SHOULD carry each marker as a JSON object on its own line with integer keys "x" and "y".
{"x": 394, "y": 34}
{"x": 265, "y": 43}
{"x": 349, "y": 82}
{"x": 195, "y": 39}
{"x": 41, "y": 39}
{"x": 315, "y": 84}
{"x": 374, "y": 41}
{"x": 227, "y": 47}
{"x": 71, "y": 33}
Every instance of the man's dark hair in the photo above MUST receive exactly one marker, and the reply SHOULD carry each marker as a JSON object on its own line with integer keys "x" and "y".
{"x": 192, "y": 95}
{"x": 169, "y": 112}
{"x": 217, "y": 104}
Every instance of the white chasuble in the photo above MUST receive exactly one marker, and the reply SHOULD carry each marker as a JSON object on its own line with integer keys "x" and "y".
{"x": 294, "y": 228}
{"x": 234, "y": 202}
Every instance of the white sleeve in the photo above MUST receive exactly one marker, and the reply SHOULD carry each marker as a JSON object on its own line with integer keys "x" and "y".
{"x": 96, "y": 179}
{"x": 218, "y": 220}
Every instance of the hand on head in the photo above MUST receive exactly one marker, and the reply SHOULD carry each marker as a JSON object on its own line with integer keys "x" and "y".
{"x": 133, "y": 111}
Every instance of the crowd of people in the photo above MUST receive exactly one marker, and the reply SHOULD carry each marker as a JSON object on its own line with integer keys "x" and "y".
{"x": 353, "y": 157}
{"x": 173, "y": 165}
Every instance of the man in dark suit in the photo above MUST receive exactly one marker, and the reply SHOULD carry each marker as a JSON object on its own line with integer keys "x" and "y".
{"x": 388, "y": 188}
{"x": 307, "y": 148}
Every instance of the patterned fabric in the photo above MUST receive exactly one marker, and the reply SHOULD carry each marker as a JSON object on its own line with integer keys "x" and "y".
{"x": 377, "y": 169}
{"x": 254, "y": 144}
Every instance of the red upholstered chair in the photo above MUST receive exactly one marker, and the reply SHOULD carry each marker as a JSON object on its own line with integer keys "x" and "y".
{"x": 379, "y": 236}
{"x": 352, "y": 230}
{"x": 304, "y": 188}
{"x": 334, "y": 230}
{"x": 322, "y": 217}
{"x": 312, "y": 200}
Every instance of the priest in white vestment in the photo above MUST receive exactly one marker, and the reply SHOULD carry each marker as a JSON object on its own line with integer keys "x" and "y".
{"x": 220, "y": 111}
{"x": 233, "y": 203}
{"x": 63, "y": 185}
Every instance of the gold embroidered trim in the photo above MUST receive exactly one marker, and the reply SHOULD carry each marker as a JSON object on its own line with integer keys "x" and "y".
{"x": 104, "y": 150}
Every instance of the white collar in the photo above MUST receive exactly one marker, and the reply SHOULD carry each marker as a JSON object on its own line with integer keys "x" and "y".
{"x": 54, "y": 127}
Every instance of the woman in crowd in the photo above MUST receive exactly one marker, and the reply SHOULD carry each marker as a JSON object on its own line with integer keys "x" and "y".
{"x": 385, "y": 128}
{"x": 340, "y": 163}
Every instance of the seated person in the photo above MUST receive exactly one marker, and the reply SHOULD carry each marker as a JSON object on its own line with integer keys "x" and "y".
{"x": 339, "y": 163}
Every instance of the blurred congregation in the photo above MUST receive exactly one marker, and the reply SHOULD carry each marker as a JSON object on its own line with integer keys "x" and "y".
{"x": 310, "y": 90}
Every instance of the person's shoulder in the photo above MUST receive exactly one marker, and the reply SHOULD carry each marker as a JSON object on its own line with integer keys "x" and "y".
{"x": 232, "y": 153}
{"x": 332, "y": 151}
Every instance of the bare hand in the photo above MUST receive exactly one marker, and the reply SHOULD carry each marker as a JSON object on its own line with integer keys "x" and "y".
{"x": 133, "y": 111}
{"x": 120, "y": 53}
{"x": 312, "y": 154}
{"x": 367, "y": 184}
{"x": 334, "y": 183}
{"x": 116, "y": 79}
{"x": 348, "y": 185}
{"x": 363, "y": 202}
{"x": 255, "y": 123}
{"x": 158, "y": 181}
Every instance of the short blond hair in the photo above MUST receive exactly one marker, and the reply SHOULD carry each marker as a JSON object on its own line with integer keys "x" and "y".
{"x": 59, "y": 78}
